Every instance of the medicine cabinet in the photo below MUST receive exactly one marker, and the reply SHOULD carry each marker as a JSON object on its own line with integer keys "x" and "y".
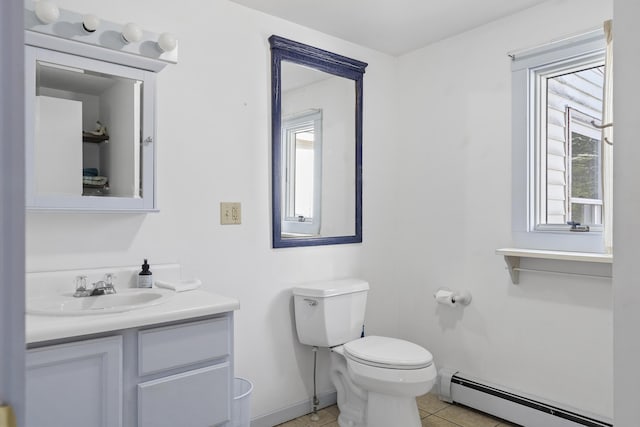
{"x": 90, "y": 119}
{"x": 85, "y": 128}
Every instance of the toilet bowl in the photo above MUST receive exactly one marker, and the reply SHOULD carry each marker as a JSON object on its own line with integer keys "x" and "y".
{"x": 388, "y": 374}
{"x": 376, "y": 378}
{"x": 389, "y": 365}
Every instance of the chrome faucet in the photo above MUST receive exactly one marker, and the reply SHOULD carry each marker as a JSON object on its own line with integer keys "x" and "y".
{"x": 102, "y": 287}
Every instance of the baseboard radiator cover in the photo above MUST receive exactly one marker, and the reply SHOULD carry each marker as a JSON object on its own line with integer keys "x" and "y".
{"x": 515, "y": 407}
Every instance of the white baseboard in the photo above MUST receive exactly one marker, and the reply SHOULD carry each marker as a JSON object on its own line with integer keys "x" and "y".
{"x": 294, "y": 411}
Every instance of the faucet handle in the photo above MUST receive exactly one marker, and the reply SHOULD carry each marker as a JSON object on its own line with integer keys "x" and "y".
{"x": 109, "y": 278}
{"x": 81, "y": 287}
{"x": 81, "y": 283}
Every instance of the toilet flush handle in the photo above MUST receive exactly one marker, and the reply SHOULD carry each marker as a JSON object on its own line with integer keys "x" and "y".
{"x": 311, "y": 302}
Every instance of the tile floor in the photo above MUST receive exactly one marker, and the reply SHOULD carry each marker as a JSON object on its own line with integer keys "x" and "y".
{"x": 433, "y": 411}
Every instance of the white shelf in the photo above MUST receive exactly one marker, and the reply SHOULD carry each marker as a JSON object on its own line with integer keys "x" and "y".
{"x": 512, "y": 258}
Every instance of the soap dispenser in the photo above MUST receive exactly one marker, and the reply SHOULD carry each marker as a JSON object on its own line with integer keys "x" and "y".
{"x": 145, "y": 277}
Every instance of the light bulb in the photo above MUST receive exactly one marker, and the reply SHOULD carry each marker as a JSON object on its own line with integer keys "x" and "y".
{"x": 90, "y": 23}
{"x": 167, "y": 42}
{"x": 131, "y": 33}
{"x": 47, "y": 12}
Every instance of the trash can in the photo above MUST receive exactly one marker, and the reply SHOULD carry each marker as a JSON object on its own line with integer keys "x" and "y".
{"x": 241, "y": 403}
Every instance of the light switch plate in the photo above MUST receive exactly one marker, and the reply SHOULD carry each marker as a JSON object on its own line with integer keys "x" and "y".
{"x": 230, "y": 213}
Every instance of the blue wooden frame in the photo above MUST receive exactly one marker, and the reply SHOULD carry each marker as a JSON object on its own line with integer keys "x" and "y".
{"x": 298, "y": 53}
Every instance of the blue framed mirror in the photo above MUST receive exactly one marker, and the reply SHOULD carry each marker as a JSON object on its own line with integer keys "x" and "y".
{"x": 316, "y": 113}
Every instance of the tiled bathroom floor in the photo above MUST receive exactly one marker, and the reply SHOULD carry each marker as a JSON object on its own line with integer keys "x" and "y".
{"x": 433, "y": 411}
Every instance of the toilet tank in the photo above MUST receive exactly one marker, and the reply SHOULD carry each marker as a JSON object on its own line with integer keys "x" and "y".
{"x": 330, "y": 313}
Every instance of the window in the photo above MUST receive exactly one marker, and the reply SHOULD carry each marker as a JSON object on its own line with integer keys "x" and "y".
{"x": 302, "y": 151}
{"x": 557, "y": 146}
{"x": 570, "y": 184}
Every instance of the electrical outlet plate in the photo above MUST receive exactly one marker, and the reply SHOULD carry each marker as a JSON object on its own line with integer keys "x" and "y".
{"x": 230, "y": 213}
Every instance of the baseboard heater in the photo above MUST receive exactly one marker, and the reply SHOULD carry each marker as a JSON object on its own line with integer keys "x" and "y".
{"x": 511, "y": 406}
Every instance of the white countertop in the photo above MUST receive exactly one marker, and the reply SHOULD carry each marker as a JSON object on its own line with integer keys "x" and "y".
{"x": 181, "y": 306}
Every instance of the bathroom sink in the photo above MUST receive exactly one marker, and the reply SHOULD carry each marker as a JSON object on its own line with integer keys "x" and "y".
{"x": 124, "y": 300}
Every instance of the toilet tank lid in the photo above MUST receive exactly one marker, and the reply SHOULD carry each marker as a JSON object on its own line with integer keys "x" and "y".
{"x": 330, "y": 288}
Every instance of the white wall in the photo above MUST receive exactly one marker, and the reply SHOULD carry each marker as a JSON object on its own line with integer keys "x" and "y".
{"x": 213, "y": 145}
{"x": 548, "y": 336}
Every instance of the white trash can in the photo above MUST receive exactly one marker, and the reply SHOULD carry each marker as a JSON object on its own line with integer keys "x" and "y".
{"x": 241, "y": 403}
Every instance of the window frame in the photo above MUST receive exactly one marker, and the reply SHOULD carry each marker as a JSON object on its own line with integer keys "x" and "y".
{"x": 527, "y": 67}
{"x": 308, "y": 226}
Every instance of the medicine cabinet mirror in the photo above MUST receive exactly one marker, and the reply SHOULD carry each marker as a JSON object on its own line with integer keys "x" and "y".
{"x": 85, "y": 128}
{"x": 90, "y": 115}
{"x": 316, "y": 145}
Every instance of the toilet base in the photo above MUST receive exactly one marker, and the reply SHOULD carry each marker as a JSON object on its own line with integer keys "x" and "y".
{"x": 352, "y": 400}
{"x": 384, "y": 410}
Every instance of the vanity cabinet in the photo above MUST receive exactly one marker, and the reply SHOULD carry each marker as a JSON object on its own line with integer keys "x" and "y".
{"x": 176, "y": 374}
{"x": 75, "y": 384}
{"x": 165, "y": 382}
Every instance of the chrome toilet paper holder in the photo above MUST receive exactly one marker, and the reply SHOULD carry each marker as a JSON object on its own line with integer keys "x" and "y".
{"x": 452, "y": 298}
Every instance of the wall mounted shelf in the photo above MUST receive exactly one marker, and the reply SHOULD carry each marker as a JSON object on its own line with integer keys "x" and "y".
{"x": 512, "y": 257}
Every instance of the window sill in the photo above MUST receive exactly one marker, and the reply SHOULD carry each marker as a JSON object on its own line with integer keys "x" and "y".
{"x": 513, "y": 256}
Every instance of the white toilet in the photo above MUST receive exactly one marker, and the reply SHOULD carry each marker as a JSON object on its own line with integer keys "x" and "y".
{"x": 377, "y": 378}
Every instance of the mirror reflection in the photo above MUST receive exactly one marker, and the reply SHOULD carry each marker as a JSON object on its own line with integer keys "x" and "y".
{"x": 318, "y": 137}
{"x": 317, "y": 146}
{"x": 87, "y": 132}
{"x": 302, "y": 175}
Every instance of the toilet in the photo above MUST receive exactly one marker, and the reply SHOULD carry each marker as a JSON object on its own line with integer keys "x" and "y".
{"x": 376, "y": 378}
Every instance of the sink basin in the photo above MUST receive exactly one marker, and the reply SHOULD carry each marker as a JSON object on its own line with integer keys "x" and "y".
{"x": 124, "y": 300}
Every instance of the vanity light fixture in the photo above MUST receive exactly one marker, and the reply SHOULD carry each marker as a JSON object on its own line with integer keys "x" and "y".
{"x": 46, "y": 11}
{"x": 167, "y": 42}
{"x": 90, "y": 23}
{"x": 131, "y": 33}
{"x": 43, "y": 17}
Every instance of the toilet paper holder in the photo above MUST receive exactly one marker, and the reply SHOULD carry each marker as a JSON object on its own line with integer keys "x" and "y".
{"x": 451, "y": 298}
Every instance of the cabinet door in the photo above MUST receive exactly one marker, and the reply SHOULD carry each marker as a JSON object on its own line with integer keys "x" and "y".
{"x": 75, "y": 384}
{"x": 198, "y": 398}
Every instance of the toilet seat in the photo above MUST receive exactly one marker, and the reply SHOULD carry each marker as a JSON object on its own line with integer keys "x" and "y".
{"x": 389, "y": 353}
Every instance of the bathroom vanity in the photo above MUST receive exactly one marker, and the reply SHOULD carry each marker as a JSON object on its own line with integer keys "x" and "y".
{"x": 169, "y": 364}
